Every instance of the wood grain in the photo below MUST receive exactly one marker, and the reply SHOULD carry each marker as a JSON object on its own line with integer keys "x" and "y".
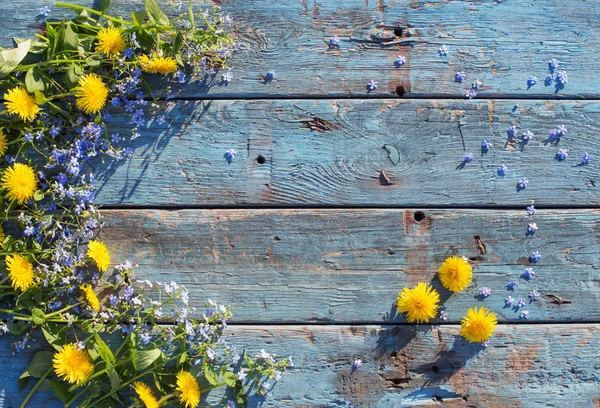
{"x": 502, "y": 43}
{"x": 326, "y": 152}
{"x": 524, "y": 366}
{"x": 346, "y": 266}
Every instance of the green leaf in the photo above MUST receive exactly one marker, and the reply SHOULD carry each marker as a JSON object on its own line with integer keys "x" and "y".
{"x": 94, "y": 60}
{"x": 211, "y": 376}
{"x": 229, "y": 378}
{"x": 101, "y": 5}
{"x": 40, "y": 98}
{"x": 177, "y": 44}
{"x": 38, "y": 316}
{"x": 72, "y": 75}
{"x": 36, "y": 81}
{"x": 240, "y": 394}
{"x": 142, "y": 359}
{"x": 115, "y": 380}
{"x": 191, "y": 15}
{"x": 69, "y": 40}
{"x": 155, "y": 14}
{"x": 38, "y": 195}
{"x": 91, "y": 393}
{"x": 40, "y": 363}
{"x": 103, "y": 350}
{"x": 61, "y": 391}
{"x": 139, "y": 17}
{"x": 11, "y": 58}
{"x": 23, "y": 381}
{"x": 56, "y": 335}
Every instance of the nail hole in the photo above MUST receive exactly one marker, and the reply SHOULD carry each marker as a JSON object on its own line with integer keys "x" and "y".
{"x": 438, "y": 398}
{"x": 391, "y": 252}
{"x": 398, "y": 31}
{"x": 276, "y": 238}
{"x": 261, "y": 159}
{"x": 400, "y": 91}
{"x": 419, "y": 216}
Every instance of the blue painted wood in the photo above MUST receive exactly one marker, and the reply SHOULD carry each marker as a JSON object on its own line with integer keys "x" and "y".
{"x": 524, "y": 366}
{"x": 325, "y": 152}
{"x": 502, "y": 43}
{"x": 347, "y": 266}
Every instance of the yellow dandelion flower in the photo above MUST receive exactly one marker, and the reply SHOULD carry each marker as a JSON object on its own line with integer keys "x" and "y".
{"x": 478, "y": 325}
{"x": 145, "y": 395}
{"x": 419, "y": 303}
{"x": 20, "y": 271}
{"x": 158, "y": 65}
{"x": 91, "y": 93}
{"x": 189, "y": 389}
{"x": 90, "y": 297}
{"x": 455, "y": 273}
{"x": 98, "y": 252}
{"x": 2, "y": 236}
{"x": 72, "y": 364}
{"x": 3, "y": 142}
{"x": 20, "y": 182}
{"x": 19, "y": 102}
{"x": 110, "y": 41}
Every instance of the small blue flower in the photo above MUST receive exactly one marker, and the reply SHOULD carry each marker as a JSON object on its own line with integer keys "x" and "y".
{"x": 512, "y": 131}
{"x": 561, "y": 130}
{"x": 477, "y": 84}
{"x": 372, "y": 85}
{"x": 532, "y": 228}
{"x": 525, "y": 314}
{"x": 509, "y": 300}
{"x": 230, "y": 155}
{"x": 468, "y": 157}
{"x": 553, "y": 64}
{"x": 521, "y": 302}
{"x": 270, "y": 76}
{"x": 443, "y": 50}
{"x": 334, "y": 41}
{"x": 549, "y": 80}
{"x": 400, "y": 60}
{"x": 562, "y": 78}
{"x": 535, "y": 295}
{"x": 585, "y": 159}
{"x": 561, "y": 154}
{"x": 485, "y": 291}
{"x": 486, "y": 145}
{"x": 470, "y": 93}
{"x": 529, "y": 273}
{"x": 523, "y": 183}
{"x": 535, "y": 257}
{"x": 532, "y": 81}
{"x": 45, "y": 11}
{"x": 502, "y": 170}
{"x": 357, "y": 364}
{"x": 531, "y": 210}
{"x": 512, "y": 284}
{"x": 527, "y": 136}
{"x": 459, "y": 77}
{"x": 444, "y": 315}
{"x": 128, "y": 53}
{"x": 227, "y": 76}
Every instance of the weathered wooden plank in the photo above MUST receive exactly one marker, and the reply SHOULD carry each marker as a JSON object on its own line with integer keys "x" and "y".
{"x": 524, "y": 366}
{"x": 323, "y": 152}
{"x": 347, "y": 266}
{"x": 502, "y": 43}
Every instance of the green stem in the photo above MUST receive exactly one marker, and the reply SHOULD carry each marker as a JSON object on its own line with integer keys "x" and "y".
{"x": 91, "y": 11}
{"x": 35, "y": 387}
{"x": 63, "y": 310}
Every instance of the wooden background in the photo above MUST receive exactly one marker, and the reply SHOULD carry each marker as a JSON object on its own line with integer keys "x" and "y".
{"x": 312, "y": 246}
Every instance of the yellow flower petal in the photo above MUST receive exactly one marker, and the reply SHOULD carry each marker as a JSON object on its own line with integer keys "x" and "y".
{"x": 91, "y": 93}
{"x": 419, "y": 303}
{"x": 158, "y": 65}
{"x": 98, "y": 252}
{"x": 20, "y": 182}
{"x": 455, "y": 274}
{"x": 145, "y": 395}
{"x": 19, "y": 102}
{"x": 110, "y": 41}
{"x": 72, "y": 364}
{"x": 188, "y": 389}
{"x": 478, "y": 325}
{"x": 20, "y": 271}
{"x": 90, "y": 297}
